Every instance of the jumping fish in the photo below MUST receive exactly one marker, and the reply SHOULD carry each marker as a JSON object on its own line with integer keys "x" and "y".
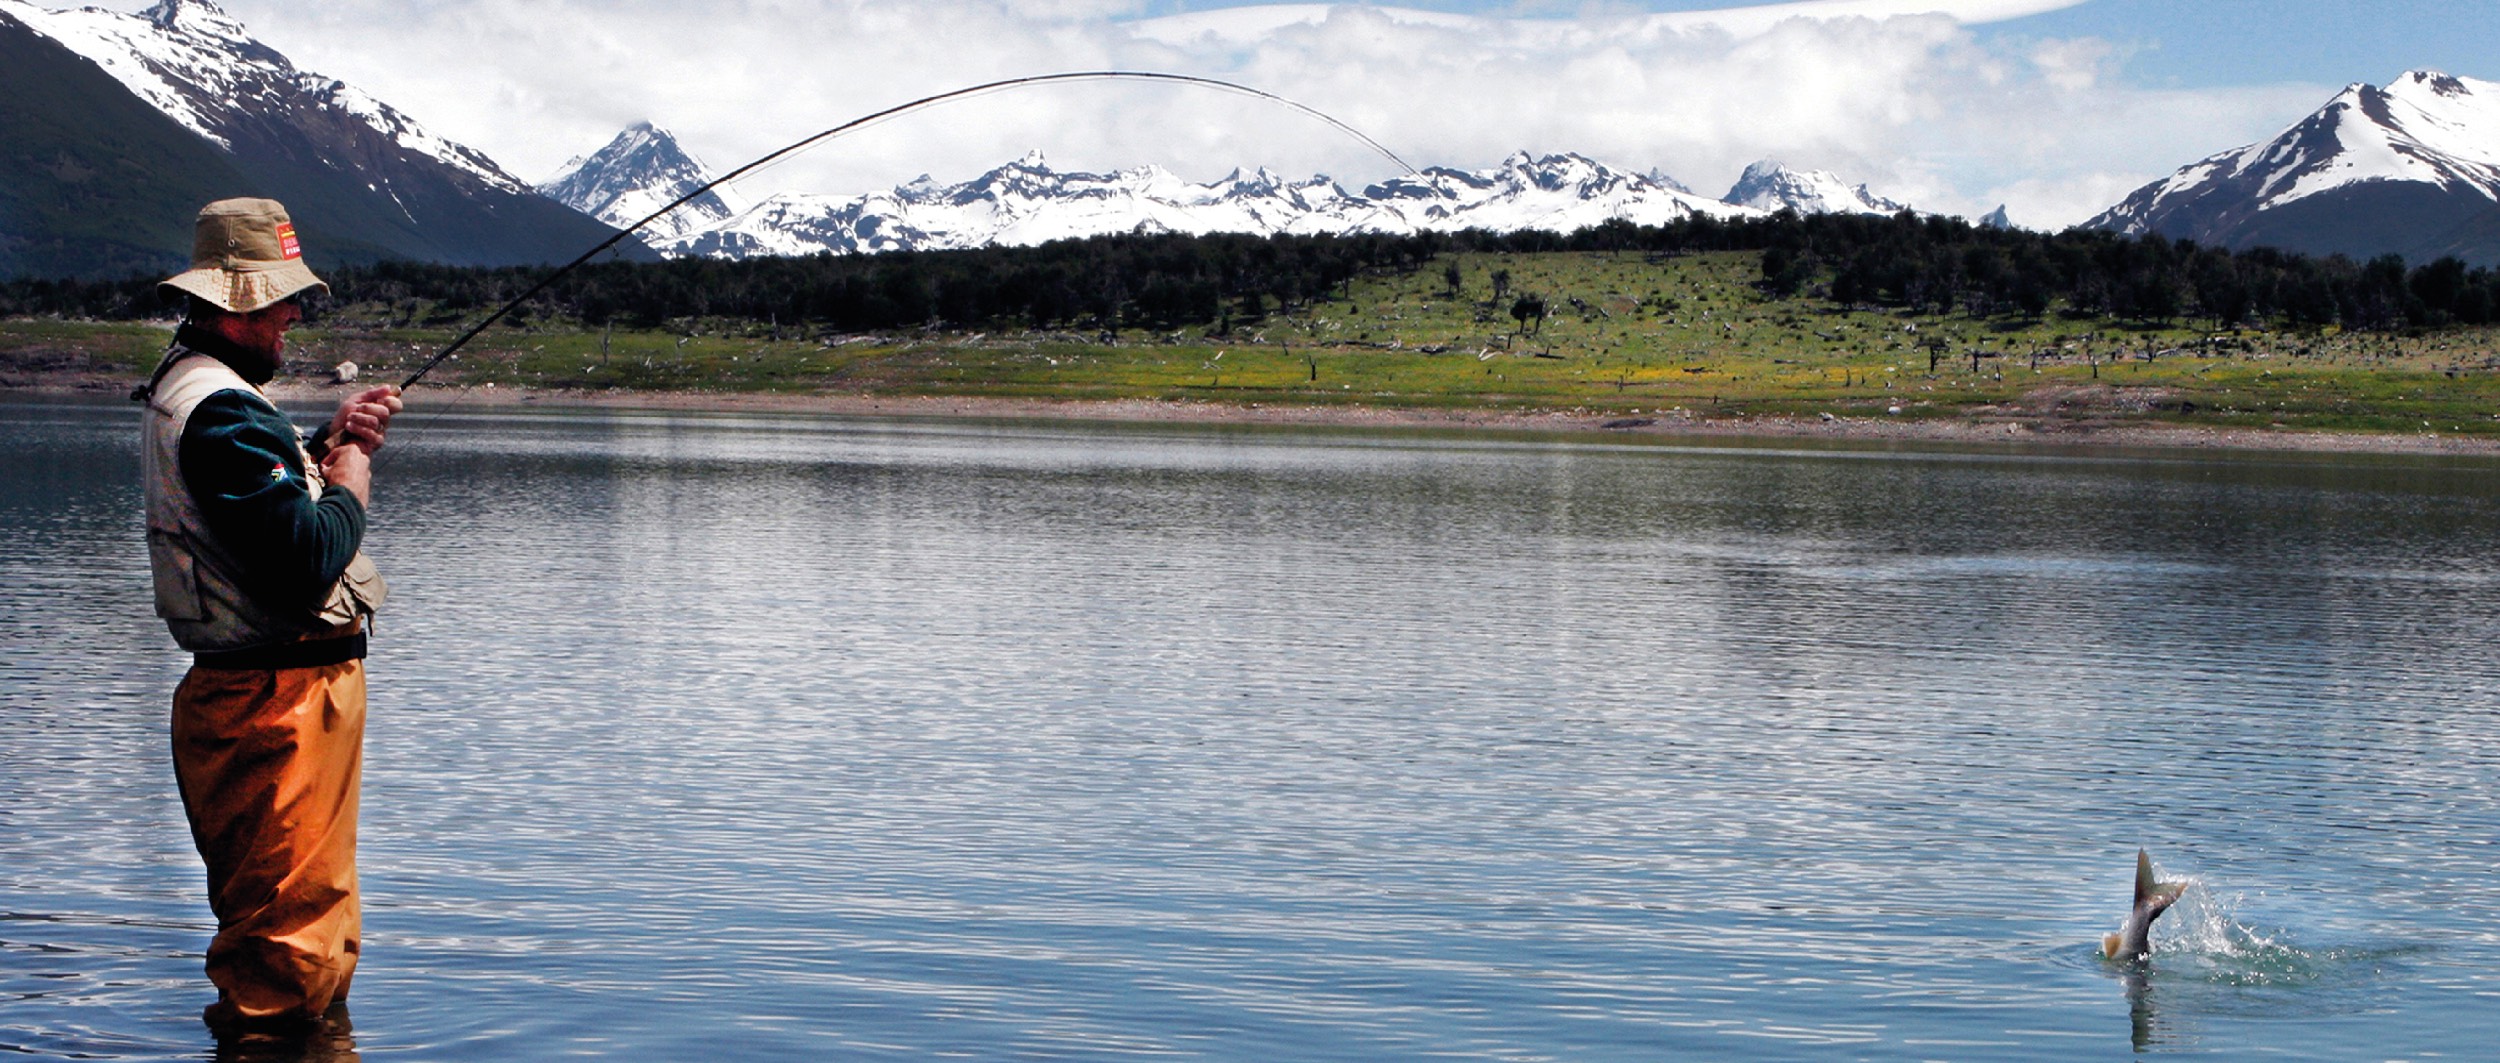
{"x": 2134, "y": 939}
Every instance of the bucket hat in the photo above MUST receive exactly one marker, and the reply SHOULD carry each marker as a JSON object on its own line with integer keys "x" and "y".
{"x": 244, "y": 256}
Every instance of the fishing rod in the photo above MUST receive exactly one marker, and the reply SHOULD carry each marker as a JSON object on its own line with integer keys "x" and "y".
{"x": 870, "y": 119}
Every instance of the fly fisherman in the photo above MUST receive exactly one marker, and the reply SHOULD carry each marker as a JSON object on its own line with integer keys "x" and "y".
{"x": 253, "y": 534}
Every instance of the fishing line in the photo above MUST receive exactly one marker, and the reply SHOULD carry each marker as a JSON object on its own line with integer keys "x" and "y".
{"x": 871, "y": 119}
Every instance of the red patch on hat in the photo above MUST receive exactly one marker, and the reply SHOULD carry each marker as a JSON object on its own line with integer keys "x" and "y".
{"x": 286, "y": 241}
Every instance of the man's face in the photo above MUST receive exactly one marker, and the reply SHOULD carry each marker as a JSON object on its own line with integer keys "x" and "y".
{"x": 261, "y": 332}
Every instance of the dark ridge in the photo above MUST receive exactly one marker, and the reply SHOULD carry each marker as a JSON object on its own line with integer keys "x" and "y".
{"x": 93, "y": 182}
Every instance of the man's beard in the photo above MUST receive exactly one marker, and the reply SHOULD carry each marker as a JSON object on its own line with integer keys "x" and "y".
{"x": 255, "y": 367}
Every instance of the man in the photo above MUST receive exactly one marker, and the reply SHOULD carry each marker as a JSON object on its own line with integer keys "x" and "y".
{"x": 253, "y": 535}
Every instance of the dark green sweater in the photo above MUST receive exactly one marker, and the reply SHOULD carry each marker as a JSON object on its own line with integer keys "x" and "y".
{"x": 241, "y": 464}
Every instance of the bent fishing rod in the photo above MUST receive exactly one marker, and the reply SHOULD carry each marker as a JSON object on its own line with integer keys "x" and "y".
{"x": 871, "y": 119}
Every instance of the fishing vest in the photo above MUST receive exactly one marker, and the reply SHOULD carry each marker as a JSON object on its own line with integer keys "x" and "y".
{"x": 199, "y": 589}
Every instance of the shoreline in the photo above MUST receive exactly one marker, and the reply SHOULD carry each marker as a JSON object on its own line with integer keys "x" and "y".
{"x": 1978, "y": 428}
{"x": 1958, "y": 430}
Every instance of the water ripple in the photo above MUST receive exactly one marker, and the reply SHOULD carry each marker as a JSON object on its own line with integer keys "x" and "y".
{"x": 761, "y": 737}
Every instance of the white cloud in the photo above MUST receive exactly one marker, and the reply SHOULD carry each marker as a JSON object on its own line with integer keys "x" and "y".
{"x": 2055, "y": 202}
{"x": 2057, "y": 156}
{"x": 1235, "y": 26}
{"x": 1913, "y": 103}
{"x": 2074, "y": 65}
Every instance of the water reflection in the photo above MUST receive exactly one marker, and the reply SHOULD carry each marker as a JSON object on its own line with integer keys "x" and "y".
{"x": 2141, "y": 1032}
{"x": 332, "y": 1039}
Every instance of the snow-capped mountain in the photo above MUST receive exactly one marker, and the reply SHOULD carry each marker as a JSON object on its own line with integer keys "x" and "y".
{"x": 1769, "y": 186}
{"x": 1024, "y": 202}
{"x": 199, "y": 66}
{"x": 1560, "y": 193}
{"x": 1027, "y": 202}
{"x": 641, "y": 171}
{"x": 94, "y": 182}
{"x": 362, "y": 179}
{"x": 2413, "y": 168}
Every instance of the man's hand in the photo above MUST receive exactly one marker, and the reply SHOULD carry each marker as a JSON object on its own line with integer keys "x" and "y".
{"x": 352, "y": 468}
{"x": 363, "y": 419}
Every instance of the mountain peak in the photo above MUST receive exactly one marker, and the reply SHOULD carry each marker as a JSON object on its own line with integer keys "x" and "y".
{"x": 206, "y": 22}
{"x": 2435, "y": 81}
{"x": 1769, "y": 185}
{"x": 202, "y": 68}
{"x": 177, "y": 14}
{"x": 373, "y": 181}
{"x": 2404, "y": 169}
{"x": 641, "y": 170}
{"x": 208, "y": 26}
{"x": 1558, "y": 161}
{"x": 2448, "y": 98}
{"x": 1661, "y": 178}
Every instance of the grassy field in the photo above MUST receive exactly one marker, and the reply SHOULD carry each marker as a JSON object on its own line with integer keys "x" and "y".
{"x": 1685, "y": 336}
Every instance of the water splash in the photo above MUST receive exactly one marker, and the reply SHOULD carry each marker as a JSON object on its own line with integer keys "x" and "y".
{"x": 2211, "y": 942}
{"x": 2211, "y": 958}
{"x": 2212, "y": 962}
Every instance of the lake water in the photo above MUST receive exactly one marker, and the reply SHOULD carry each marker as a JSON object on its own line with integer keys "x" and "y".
{"x": 779, "y": 737}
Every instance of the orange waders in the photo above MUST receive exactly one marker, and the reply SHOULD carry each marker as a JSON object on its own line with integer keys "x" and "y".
{"x": 269, "y": 763}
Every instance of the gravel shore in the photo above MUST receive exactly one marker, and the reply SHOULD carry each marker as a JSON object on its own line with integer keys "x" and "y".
{"x": 2058, "y": 428}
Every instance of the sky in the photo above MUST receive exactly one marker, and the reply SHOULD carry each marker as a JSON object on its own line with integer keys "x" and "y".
{"x": 2054, "y": 108}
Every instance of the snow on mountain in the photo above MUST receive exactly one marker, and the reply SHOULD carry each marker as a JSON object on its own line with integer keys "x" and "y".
{"x": 2374, "y": 170}
{"x": 1561, "y": 193}
{"x": 1026, "y": 202}
{"x": 362, "y": 180}
{"x": 1770, "y": 186}
{"x": 176, "y": 56}
{"x": 639, "y": 172}
{"x": 1659, "y": 177}
{"x": 200, "y": 67}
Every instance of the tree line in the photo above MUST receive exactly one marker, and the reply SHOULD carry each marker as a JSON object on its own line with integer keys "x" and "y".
{"x": 1940, "y": 265}
{"x": 1906, "y": 262}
